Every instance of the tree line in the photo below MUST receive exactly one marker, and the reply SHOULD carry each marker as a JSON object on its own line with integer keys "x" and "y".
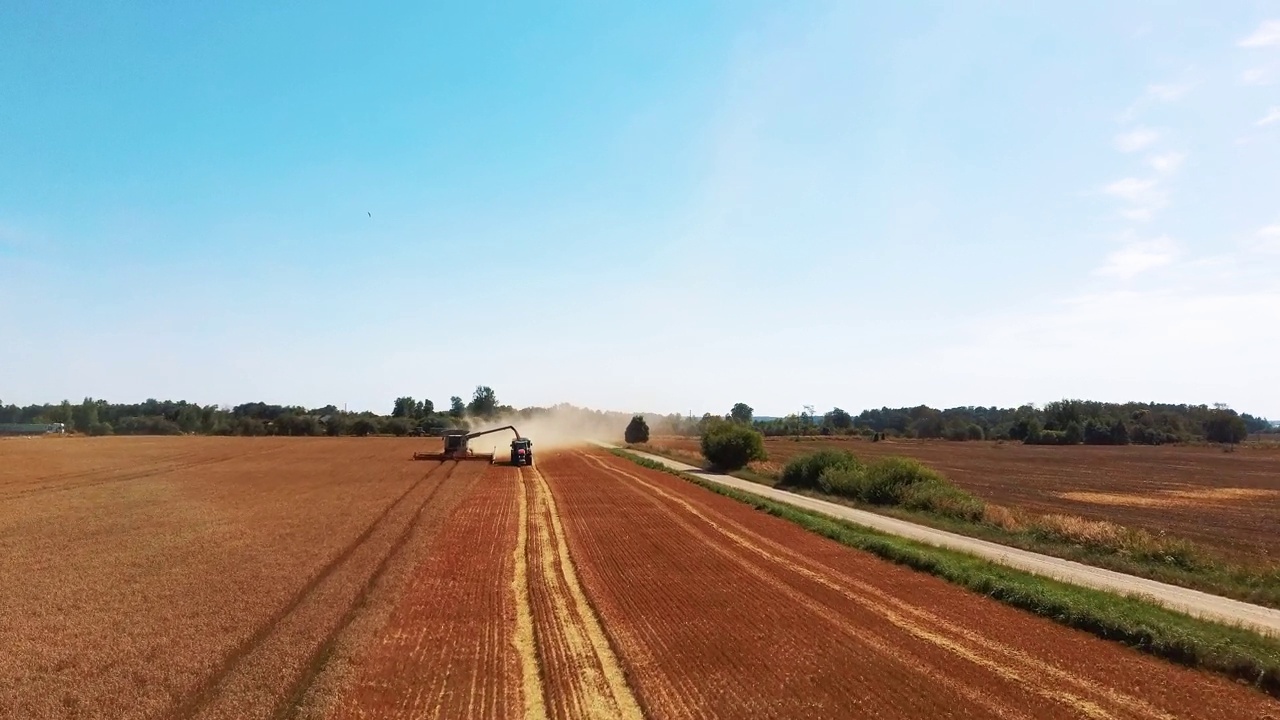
{"x": 1062, "y": 422}
{"x": 168, "y": 417}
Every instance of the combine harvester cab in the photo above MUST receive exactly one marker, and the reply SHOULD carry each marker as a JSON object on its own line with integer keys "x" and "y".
{"x": 456, "y": 447}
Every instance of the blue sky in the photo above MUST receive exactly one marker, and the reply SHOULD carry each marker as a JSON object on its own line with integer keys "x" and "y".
{"x": 667, "y": 207}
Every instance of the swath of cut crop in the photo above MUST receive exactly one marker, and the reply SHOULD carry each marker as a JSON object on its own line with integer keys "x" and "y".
{"x": 449, "y": 648}
{"x": 583, "y": 678}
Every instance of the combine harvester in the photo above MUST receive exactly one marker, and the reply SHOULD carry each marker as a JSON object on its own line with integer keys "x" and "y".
{"x": 455, "y": 447}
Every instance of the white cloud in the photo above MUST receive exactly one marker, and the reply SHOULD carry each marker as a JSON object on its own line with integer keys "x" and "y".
{"x": 1139, "y": 257}
{"x": 1268, "y": 33}
{"x": 1167, "y": 92}
{"x": 1261, "y": 75}
{"x": 1166, "y": 162}
{"x": 1137, "y": 139}
{"x": 1268, "y": 240}
{"x": 1273, "y": 115}
{"x": 1145, "y": 197}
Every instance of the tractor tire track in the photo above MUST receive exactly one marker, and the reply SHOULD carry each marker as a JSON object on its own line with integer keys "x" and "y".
{"x": 291, "y": 706}
{"x": 582, "y": 677}
{"x": 227, "y": 692}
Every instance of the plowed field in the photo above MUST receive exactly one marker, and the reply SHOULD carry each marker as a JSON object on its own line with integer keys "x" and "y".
{"x": 336, "y": 579}
{"x": 1226, "y": 501}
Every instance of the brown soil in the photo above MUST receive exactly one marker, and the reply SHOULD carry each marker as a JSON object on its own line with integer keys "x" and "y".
{"x": 720, "y": 610}
{"x": 1229, "y": 502}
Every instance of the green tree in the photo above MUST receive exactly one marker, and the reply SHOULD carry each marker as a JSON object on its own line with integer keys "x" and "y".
{"x": 336, "y": 425}
{"x": 1225, "y": 426}
{"x": 405, "y": 407}
{"x": 484, "y": 402}
{"x": 637, "y": 430}
{"x": 398, "y": 426}
{"x": 840, "y": 419}
{"x": 730, "y": 446}
{"x": 426, "y": 408}
{"x": 1074, "y": 434}
{"x": 456, "y": 407}
{"x": 363, "y": 427}
{"x": 742, "y": 413}
{"x": 84, "y": 415}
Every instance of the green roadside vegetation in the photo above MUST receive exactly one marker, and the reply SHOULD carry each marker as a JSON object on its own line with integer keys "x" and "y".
{"x": 1238, "y": 653}
{"x": 908, "y": 490}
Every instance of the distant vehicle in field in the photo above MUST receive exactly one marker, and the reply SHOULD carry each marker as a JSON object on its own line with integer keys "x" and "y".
{"x": 456, "y": 447}
{"x": 521, "y": 451}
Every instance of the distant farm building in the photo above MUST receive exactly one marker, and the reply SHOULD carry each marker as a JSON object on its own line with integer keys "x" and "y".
{"x": 32, "y": 428}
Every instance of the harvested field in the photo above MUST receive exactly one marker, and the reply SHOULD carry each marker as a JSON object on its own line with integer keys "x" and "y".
{"x": 766, "y": 620}
{"x": 333, "y": 578}
{"x": 1229, "y": 502}
{"x": 206, "y": 579}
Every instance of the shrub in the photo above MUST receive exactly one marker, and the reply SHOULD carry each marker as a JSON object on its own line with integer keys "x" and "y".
{"x": 943, "y": 498}
{"x": 397, "y": 426}
{"x": 730, "y": 446}
{"x": 888, "y": 478}
{"x": 100, "y": 428}
{"x": 976, "y": 432}
{"x": 805, "y": 470}
{"x": 363, "y": 427}
{"x": 844, "y": 480}
{"x": 637, "y": 431}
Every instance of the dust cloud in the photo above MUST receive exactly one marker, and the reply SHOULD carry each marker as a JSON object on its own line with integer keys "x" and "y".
{"x": 556, "y": 428}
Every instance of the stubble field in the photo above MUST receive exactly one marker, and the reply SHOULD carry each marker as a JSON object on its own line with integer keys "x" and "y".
{"x": 334, "y": 578}
{"x": 1229, "y": 502}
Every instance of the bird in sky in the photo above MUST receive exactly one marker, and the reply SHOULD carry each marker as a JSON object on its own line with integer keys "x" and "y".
{"x": 370, "y": 214}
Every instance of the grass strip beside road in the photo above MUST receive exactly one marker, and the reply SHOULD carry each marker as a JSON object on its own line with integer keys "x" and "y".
{"x": 1238, "y": 653}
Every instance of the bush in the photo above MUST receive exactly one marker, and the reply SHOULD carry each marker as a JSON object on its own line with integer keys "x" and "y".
{"x": 888, "y": 481}
{"x": 844, "y": 480}
{"x": 888, "y": 478}
{"x": 100, "y": 428}
{"x": 250, "y": 427}
{"x": 147, "y": 425}
{"x": 336, "y": 425}
{"x": 944, "y": 499}
{"x": 637, "y": 431}
{"x": 363, "y": 427}
{"x": 397, "y": 426}
{"x": 730, "y": 446}
{"x": 806, "y": 470}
